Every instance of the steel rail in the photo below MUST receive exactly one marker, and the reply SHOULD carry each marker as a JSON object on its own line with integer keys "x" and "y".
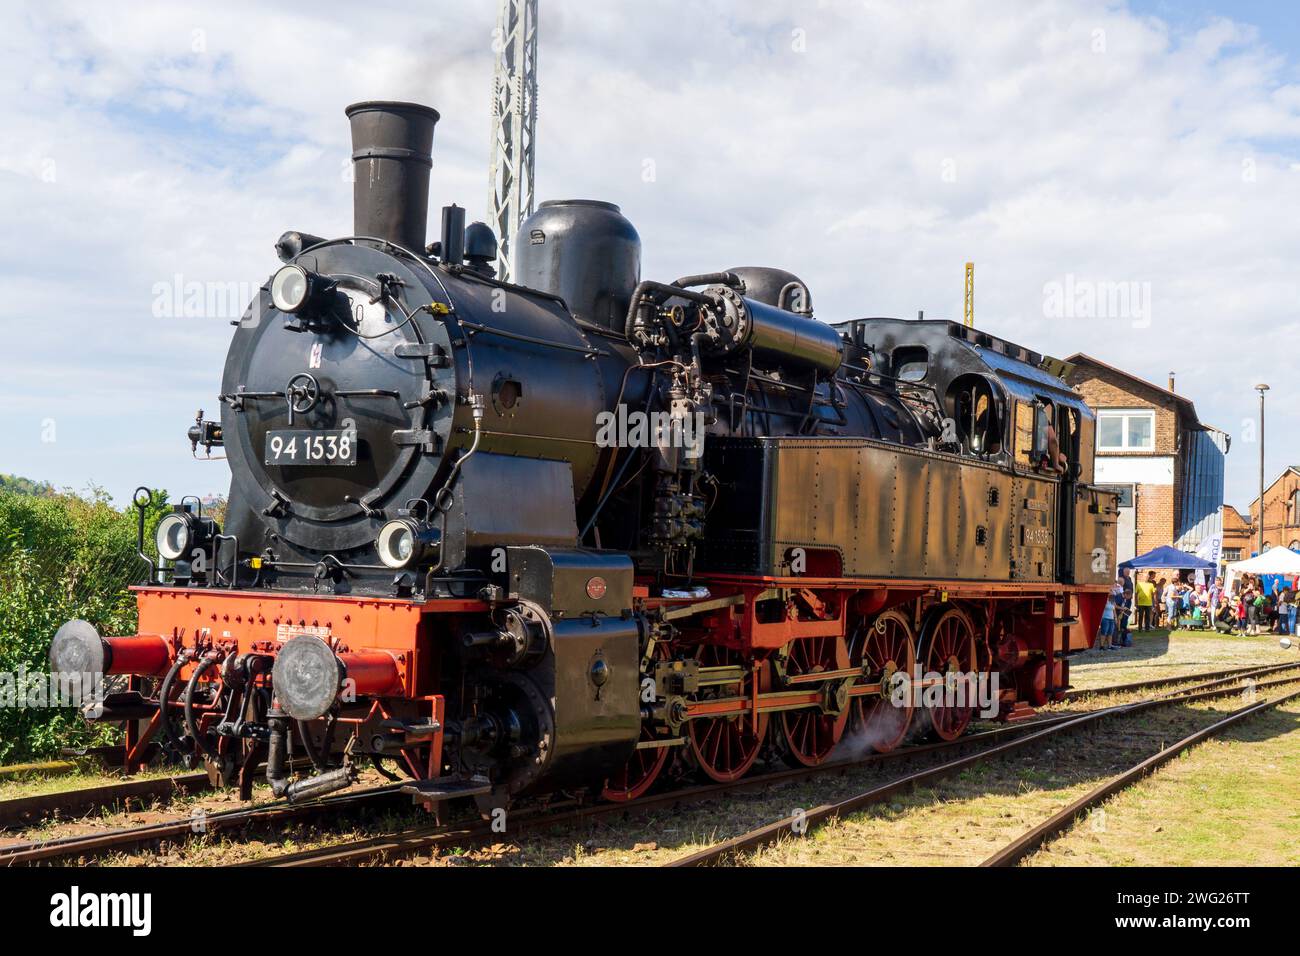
{"x": 71, "y": 762}
{"x": 18, "y": 811}
{"x": 91, "y": 844}
{"x": 1028, "y": 842}
{"x": 772, "y": 832}
{"x": 1081, "y": 692}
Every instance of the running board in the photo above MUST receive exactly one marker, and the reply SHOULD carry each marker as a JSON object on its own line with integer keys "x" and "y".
{"x": 429, "y": 792}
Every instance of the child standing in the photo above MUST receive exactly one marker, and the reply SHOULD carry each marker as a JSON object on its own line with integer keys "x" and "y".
{"x": 1106, "y": 634}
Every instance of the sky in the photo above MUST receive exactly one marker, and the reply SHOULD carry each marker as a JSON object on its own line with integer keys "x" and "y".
{"x": 1125, "y": 177}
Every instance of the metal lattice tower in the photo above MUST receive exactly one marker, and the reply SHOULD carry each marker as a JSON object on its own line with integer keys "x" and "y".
{"x": 514, "y": 126}
{"x": 968, "y": 305}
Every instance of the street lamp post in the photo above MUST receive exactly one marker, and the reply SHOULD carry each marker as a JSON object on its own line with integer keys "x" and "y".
{"x": 1261, "y": 388}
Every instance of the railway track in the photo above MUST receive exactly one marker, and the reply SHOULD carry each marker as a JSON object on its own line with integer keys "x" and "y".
{"x": 73, "y": 761}
{"x": 18, "y": 812}
{"x": 426, "y": 839}
{"x": 1083, "y": 692}
{"x": 26, "y": 811}
{"x": 127, "y": 839}
{"x": 73, "y": 803}
{"x": 422, "y": 839}
{"x": 805, "y": 820}
{"x": 1059, "y": 822}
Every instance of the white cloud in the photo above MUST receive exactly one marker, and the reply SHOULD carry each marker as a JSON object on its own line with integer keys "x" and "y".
{"x": 872, "y": 147}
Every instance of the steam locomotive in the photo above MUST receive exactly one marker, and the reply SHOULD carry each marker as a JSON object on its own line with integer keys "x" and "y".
{"x": 565, "y": 534}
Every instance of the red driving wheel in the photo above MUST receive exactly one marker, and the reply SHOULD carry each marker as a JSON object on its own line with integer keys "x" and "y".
{"x": 645, "y": 764}
{"x": 950, "y": 651}
{"x": 810, "y": 734}
{"x": 726, "y": 747}
{"x": 885, "y": 648}
{"x": 640, "y": 772}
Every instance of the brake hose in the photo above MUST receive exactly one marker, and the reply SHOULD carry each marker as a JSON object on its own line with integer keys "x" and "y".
{"x": 189, "y": 706}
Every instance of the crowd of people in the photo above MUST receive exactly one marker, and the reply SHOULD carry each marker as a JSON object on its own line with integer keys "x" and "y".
{"x": 1148, "y": 603}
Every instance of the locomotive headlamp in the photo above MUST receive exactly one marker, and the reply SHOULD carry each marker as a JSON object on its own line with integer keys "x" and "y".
{"x": 174, "y": 535}
{"x": 291, "y": 287}
{"x": 178, "y": 533}
{"x": 404, "y": 542}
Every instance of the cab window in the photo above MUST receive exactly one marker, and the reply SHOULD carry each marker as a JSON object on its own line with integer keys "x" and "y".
{"x": 974, "y": 409}
{"x": 911, "y": 363}
{"x": 1025, "y": 422}
{"x": 1040, "y": 432}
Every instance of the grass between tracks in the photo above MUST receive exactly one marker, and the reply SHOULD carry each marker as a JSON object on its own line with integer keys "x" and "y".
{"x": 1232, "y": 801}
{"x": 965, "y": 819}
{"x": 90, "y": 774}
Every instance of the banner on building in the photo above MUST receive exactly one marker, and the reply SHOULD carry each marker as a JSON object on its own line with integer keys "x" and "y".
{"x": 1211, "y": 549}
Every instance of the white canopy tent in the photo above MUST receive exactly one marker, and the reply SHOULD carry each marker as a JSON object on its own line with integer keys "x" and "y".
{"x": 1272, "y": 561}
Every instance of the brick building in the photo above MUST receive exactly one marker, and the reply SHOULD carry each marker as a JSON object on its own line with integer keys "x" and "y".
{"x": 1238, "y": 535}
{"x": 1166, "y": 465}
{"x": 1281, "y": 513}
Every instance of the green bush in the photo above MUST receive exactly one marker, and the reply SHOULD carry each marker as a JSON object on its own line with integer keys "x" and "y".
{"x": 61, "y": 556}
{"x": 24, "y": 485}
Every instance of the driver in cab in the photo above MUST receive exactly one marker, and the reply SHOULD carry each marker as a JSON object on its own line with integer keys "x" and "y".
{"x": 1054, "y": 459}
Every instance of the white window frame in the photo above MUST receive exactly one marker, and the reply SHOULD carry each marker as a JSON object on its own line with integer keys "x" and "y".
{"x": 1126, "y": 413}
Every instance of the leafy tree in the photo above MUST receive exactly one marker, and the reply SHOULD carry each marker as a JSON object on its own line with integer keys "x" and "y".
{"x": 62, "y": 556}
{"x": 24, "y": 486}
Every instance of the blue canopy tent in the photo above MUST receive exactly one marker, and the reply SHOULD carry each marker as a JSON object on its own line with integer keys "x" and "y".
{"x": 1170, "y": 557}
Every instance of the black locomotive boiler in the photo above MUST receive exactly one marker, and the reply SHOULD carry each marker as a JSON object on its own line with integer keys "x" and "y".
{"x": 566, "y": 533}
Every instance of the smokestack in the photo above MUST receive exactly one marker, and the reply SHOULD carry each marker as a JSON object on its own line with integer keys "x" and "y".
{"x": 1171, "y": 381}
{"x": 392, "y": 153}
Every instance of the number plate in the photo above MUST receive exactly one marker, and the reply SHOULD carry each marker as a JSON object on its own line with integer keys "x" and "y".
{"x": 285, "y": 632}
{"x": 330, "y": 446}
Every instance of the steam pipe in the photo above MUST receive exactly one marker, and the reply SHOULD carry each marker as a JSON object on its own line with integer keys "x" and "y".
{"x": 278, "y": 777}
{"x": 657, "y": 292}
{"x": 711, "y": 278}
{"x": 276, "y": 747}
{"x": 452, "y": 246}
